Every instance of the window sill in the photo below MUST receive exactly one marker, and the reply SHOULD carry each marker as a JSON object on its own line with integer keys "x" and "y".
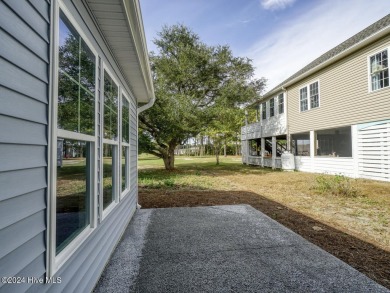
{"x": 378, "y": 90}
{"x": 108, "y": 210}
{"x": 69, "y": 250}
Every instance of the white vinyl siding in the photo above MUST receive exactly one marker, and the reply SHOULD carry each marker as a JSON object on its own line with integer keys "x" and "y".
{"x": 373, "y": 150}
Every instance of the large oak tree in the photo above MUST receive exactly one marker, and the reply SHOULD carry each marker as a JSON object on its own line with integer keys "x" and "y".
{"x": 193, "y": 81}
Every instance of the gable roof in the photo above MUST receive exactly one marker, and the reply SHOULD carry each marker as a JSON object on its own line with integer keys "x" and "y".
{"x": 364, "y": 37}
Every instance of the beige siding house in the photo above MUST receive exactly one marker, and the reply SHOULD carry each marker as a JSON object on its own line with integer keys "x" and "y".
{"x": 337, "y": 112}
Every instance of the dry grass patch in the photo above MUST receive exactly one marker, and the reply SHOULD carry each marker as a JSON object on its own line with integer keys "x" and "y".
{"x": 366, "y": 214}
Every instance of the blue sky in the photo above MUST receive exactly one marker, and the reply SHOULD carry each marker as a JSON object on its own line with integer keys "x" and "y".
{"x": 280, "y": 36}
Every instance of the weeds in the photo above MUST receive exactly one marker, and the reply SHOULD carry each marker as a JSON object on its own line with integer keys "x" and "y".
{"x": 337, "y": 185}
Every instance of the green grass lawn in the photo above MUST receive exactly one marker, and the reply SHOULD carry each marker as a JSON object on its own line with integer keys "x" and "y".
{"x": 190, "y": 172}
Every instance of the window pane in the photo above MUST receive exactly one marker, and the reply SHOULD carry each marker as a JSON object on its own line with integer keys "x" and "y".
{"x": 314, "y": 98}
{"x": 73, "y": 192}
{"x": 264, "y": 111}
{"x": 108, "y": 174}
{"x": 281, "y": 104}
{"x": 110, "y": 108}
{"x": 272, "y": 107}
{"x": 301, "y": 144}
{"x": 125, "y": 168}
{"x": 125, "y": 120}
{"x": 76, "y": 84}
{"x": 334, "y": 142}
{"x": 303, "y": 99}
{"x": 379, "y": 70}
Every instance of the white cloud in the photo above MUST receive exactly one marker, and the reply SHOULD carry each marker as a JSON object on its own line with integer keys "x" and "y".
{"x": 299, "y": 41}
{"x": 276, "y": 4}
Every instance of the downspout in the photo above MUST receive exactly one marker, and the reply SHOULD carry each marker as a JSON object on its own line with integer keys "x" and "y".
{"x": 139, "y": 110}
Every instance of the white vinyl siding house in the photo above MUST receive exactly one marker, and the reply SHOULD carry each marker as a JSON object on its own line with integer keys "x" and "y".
{"x": 331, "y": 100}
{"x": 68, "y": 137}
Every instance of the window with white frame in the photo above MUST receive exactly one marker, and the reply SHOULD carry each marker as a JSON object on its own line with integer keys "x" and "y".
{"x": 280, "y": 104}
{"x": 303, "y": 99}
{"x": 125, "y": 144}
{"x": 75, "y": 135}
{"x": 379, "y": 70}
{"x": 272, "y": 107}
{"x": 77, "y": 120}
{"x": 314, "y": 97}
{"x": 264, "y": 111}
{"x": 110, "y": 139}
{"x": 309, "y": 93}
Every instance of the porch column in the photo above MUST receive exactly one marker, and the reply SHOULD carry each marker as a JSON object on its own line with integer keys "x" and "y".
{"x": 355, "y": 153}
{"x": 262, "y": 151}
{"x": 273, "y": 152}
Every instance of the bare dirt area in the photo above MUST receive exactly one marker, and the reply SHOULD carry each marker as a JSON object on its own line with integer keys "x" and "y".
{"x": 354, "y": 229}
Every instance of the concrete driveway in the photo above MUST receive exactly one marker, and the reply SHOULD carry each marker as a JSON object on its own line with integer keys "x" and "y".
{"x": 222, "y": 249}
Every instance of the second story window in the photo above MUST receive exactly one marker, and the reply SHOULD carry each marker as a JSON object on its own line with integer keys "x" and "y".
{"x": 303, "y": 99}
{"x": 314, "y": 97}
{"x": 272, "y": 107}
{"x": 379, "y": 70}
{"x": 264, "y": 111}
{"x": 309, "y": 96}
{"x": 281, "y": 104}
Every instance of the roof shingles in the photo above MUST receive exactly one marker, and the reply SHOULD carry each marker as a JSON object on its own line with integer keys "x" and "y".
{"x": 362, "y": 35}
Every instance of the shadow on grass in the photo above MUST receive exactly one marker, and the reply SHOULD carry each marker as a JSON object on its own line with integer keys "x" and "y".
{"x": 363, "y": 256}
{"x": 202, "y": 169}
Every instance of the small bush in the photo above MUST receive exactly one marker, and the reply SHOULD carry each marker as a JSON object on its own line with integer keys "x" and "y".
{"x": 169, "y": 182}
{"x": 338, "y": 185}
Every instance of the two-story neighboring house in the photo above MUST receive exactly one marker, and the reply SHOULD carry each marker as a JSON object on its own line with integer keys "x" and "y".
{"x": 73, "y": 77}
{"x": 337, "y": 117}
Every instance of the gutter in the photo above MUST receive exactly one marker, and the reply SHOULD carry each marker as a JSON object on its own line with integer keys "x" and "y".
{"x": 148, "y": 105}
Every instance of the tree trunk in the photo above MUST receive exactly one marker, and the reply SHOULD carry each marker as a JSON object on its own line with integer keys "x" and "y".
{"x": 224, "y": 148}
{"x": 169, "y": 158}
{"x": 217, "y": 150}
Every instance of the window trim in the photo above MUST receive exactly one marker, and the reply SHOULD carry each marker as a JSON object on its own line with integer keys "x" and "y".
{"x": 278, "y": 96}
{"x": 264, "y": 111}
{"x": 273, "y": 107}
{"x": 53, "y": 261}
{"x": 307, "y": 86}
{"x": 370, "y": 90}
{"x": 105, "y": 212}
{"x": 122, "y": 194}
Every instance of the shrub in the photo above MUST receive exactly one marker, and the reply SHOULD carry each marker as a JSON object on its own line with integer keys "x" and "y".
{"x": 338, "y": 185}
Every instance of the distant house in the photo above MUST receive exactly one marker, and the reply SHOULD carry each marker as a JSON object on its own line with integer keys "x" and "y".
{"x": 333, "y": 114}
{"x": 72, "y": 77}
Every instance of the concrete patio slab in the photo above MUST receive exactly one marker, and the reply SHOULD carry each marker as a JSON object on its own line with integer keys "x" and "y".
{"x": 222, "y": 249}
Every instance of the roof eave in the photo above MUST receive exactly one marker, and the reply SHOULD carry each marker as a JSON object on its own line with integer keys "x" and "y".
{"x": 135, "y": 22}
{"x": 377, "y": 35}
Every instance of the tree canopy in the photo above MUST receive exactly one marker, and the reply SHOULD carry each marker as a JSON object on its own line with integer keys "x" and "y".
{"x": 194, "y": 84}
